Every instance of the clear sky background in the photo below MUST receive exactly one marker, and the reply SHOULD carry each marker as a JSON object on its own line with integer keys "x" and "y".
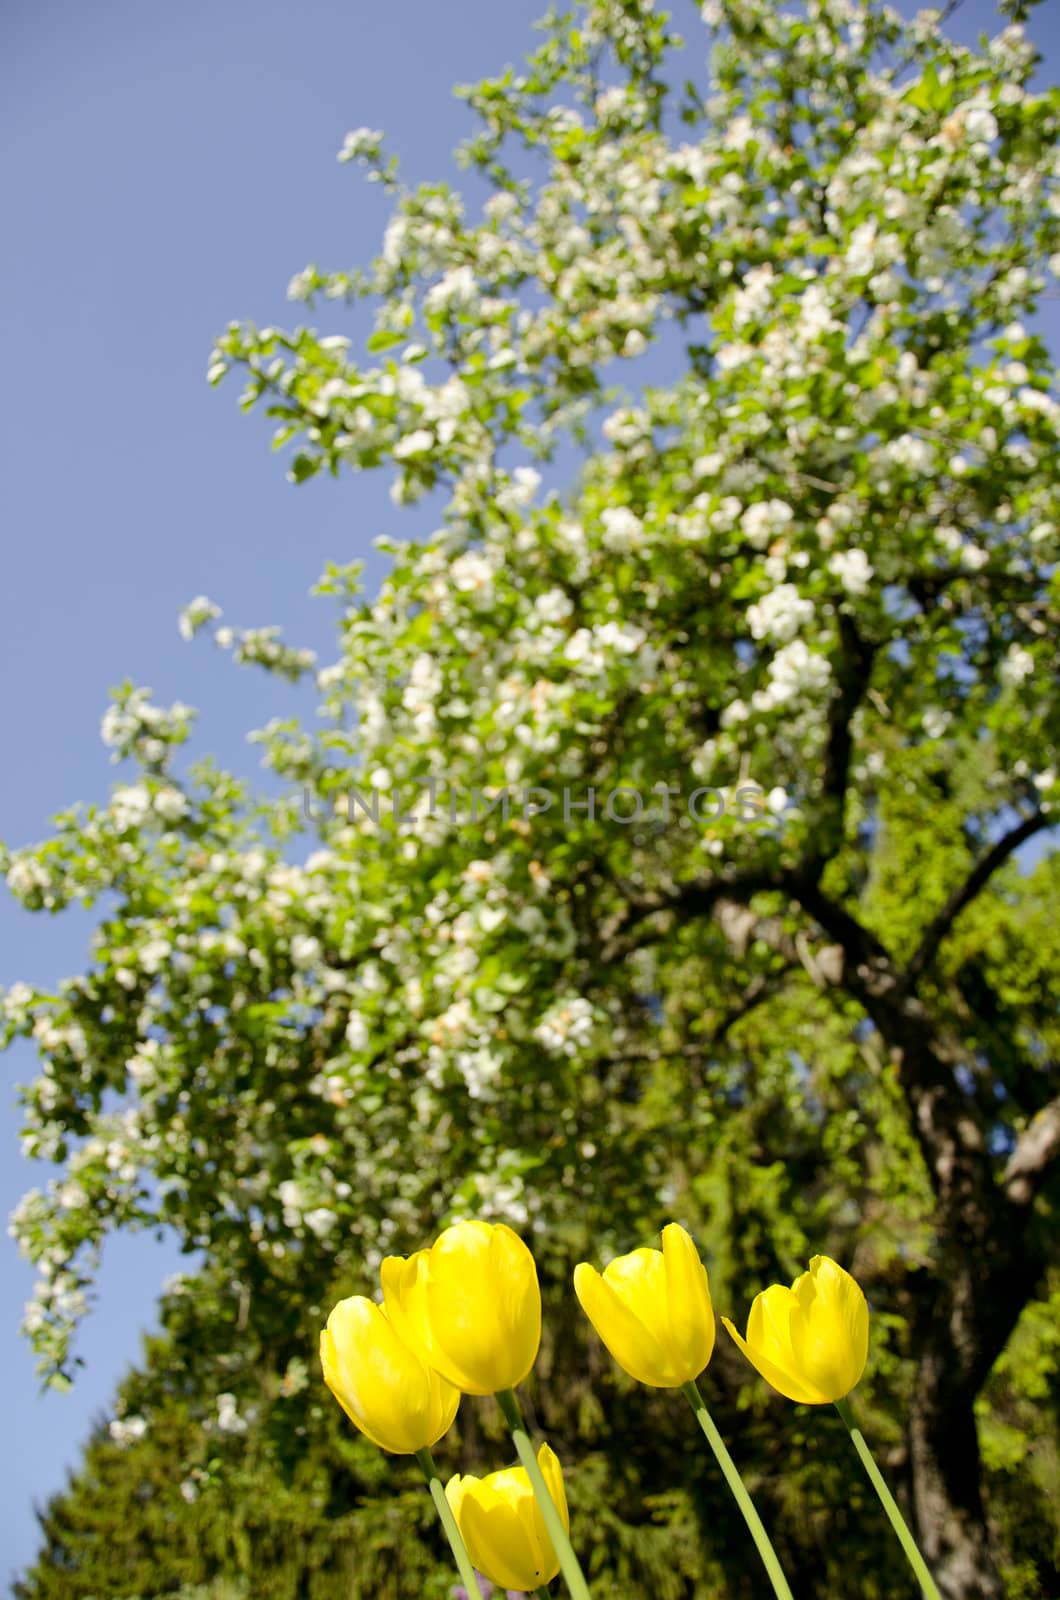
{"x": 165, "y": 170}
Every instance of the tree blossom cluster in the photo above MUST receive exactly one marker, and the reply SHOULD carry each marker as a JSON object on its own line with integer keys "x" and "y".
{"x": 286, "y": 1047}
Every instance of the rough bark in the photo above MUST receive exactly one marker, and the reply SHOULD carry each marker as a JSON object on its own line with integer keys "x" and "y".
{"x": 975, "y": 1299}
{"x": 948, "y": 1511}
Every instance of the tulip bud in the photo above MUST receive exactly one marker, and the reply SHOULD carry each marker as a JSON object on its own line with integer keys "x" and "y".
{"x": 470, "y": 1305}
{"x": 652, "y": 1310}
{"x": 811, "y": 1341}
{"x": 385, "y": 1388}
{"x": 500, "y": 1521}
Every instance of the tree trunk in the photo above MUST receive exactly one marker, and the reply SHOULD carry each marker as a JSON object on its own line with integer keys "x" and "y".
{"x": 950, "y": 1524}
{"x": 984, "y": 1274}
{"x": 987, "y": 1265}
{"x": 981, "y": 1285}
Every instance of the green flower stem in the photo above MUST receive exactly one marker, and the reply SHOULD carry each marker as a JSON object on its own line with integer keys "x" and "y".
{"x": 890, "y": 1505}
{"x": 736, "y": 1484}
{"x": 445, "y": 1511}
{"x": 568, "y": 1561}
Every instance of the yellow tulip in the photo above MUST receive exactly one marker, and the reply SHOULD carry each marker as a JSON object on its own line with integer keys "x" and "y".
{"x": 470, "y": 1304}
{"x": 810, "y": 1341}
{"x": 502, "y": 1526}
{"x": 384, "y": 1388}
{"x": 652, "y": 1310}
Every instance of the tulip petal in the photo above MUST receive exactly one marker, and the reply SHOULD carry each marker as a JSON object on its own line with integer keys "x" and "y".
{"x": 633, "y": 1346}
{"x": 484, "y": 1307}
{"x": 769, "y": 1324}
{"x": 404, "y": 1281}
{"x": 689, "y": 1310}
{"x": 830, "y": 1328}
{"x": 516, "y": 1269}
{"x": 351, "y": 1326}
{"x": 329, "y": 1362}
{"x": 381, "y": 1383}
{"x": 773, "y": 1315}
{"x": 774, "y": 1375}
{"x": 851, "y": 1307}
{"x": 639, "y": 1280}
{"x": 501, "y": 1543}
{"x": 552, "y": 1473}
{"x": 446, "y": 1406}
{"x": 455, "y": 1490}
{"x": 496, "y": 1517}
{"x": 458, "y": 1306}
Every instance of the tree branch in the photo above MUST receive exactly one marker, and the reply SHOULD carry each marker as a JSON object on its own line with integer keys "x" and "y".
{"x": 864, "y": 952}
{"x": 1037, "y": 1149}
{"x": 696, "y": 898}
{"x": 948, "y": 1125}
{"x": 966, "y": 892}
{"x": 743, "y": 927}
{"x": 852, "y": 672}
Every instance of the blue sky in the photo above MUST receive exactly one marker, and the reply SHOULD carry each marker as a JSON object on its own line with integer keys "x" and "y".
{"x": 167, "y": 169}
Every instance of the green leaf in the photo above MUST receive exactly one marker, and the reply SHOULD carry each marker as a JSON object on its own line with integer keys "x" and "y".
{"x": 385, "y": 339}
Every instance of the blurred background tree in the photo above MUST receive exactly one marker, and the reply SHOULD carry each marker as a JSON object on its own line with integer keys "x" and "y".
{"x": 663, "y": 852}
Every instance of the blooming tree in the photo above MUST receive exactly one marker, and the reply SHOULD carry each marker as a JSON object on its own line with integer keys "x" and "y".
{"x": 663, "y": 816}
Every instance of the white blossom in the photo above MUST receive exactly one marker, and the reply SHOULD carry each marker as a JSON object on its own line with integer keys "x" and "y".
{"x": 126, "y": 1430}
{"x": 753, "y": 298}
{"x": 360, "y": 142}
{"x": 796, "y": 669}
{"x": 305, "y": 950}
{"x": 356, "y": 1031}
{"x": 154, "y": 955}
{"x": 625, "y": 638}
{"x": 853, "y": 570}
{"x": 910, "y": 452}
{"x": 779, "y": 614}
{"x": 320, "y": 1221}
{"x": 581, "y": 649}
{"x": 301, "y": 284}
{"x": 764, "y": 521}
{"x": 978, "y": 122}
{"x": 228, "y": 1418}
{"x": 861, "y": 252}
{"x": 815, "y": 315}
{"x": 473, "y": 574}
{"x": 25, "y": 875}
{"x": 129, "y": 806}
{"x": 195, "y": 616}
{"x": 553, "y": 606}
{"x": 935, "y": 721}
{"x": 416, "y": 443}
{"x": 456, "y": 289}
{"x": 566, "y": 1028}
{"x": 1017, "y": 664}
{"x": 623, "y": 529}
{"x": 170, "y": 804}
{"x": 520, "y": 491}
